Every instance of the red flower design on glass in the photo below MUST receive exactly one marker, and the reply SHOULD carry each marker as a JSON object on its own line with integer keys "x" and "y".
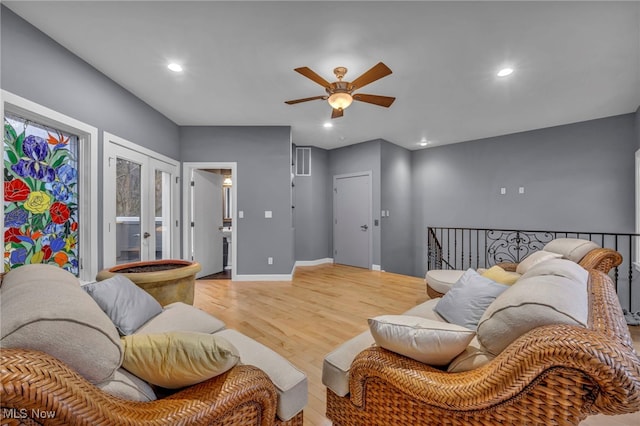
{"x": 11, "y": 235}
{"x": 47, "y": 252}
{"x": 16, "y": 190}
{"x": 59, "y": 212}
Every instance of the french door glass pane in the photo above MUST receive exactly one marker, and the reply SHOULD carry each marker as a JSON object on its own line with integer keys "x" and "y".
{"x": 128, "y": 211}
{"x": 40, "y": 195}
{"x": 162, "y": 214}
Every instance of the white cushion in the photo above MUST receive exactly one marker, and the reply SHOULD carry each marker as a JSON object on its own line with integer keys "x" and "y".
{"x": 535, "y": 258}
{"x": 426, "y": 310}
{"x": 127, "y": 386}
{"x": 43, "y": 308}
{"x": 336, "y": 365}
{"x": 425, "y": 340}
{"x": 573, "y": 249}
{"x": 533, "y": 302}
{"x": 441, "y": 280}
{"x": 290, "y": 382}
{"x": 179, "y": 316}
{"x": 560, "y": 268}
{"x": 467, "y": 300}
{"x": 474, "y": 356}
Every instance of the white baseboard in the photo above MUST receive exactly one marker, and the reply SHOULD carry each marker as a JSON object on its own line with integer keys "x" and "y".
{"x": 313, "y": 262}
{"x": 268, "y": 277}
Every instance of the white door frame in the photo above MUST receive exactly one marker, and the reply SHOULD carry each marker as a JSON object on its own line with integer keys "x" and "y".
{"x": 110, "y": 140}
{"x": 187, "y": 209}
{"x": 369, "y": 174}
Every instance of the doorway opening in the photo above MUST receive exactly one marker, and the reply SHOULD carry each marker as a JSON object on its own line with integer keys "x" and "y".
{"x": 210, "y": 194}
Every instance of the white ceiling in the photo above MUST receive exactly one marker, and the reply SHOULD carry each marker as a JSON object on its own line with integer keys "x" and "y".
{"x": 573, "y": 61}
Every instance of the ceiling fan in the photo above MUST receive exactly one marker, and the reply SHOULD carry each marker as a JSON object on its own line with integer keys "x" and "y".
{"x": 340, "y": 93}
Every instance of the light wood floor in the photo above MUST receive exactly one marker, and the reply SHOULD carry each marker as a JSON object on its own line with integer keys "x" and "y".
{"x": 323, "y": 306}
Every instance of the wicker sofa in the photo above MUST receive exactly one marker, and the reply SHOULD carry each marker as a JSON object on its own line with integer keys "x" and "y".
{"x": 553, "y": 374}
{"x": 68, "y": 370}
{"x": 585, "y": 253}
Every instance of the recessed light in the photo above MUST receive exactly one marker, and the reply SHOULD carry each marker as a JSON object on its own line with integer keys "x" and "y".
{"x": 175, "y": 67}
{"x": 505, "y": 72}
{"x": 423, "y": 143}
{"x": 328, "y": 125}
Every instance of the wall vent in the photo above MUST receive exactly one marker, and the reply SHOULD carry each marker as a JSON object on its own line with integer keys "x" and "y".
{"x": 303, "y": 161}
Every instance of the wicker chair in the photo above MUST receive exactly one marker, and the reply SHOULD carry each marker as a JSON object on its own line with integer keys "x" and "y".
{"x": 34, "y": 385}
{"x": 552, "y": 375}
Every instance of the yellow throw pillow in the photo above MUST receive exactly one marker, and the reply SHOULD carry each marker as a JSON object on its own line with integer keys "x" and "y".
{"x": 499, "y": 275}
{"x": 177, "y": 359}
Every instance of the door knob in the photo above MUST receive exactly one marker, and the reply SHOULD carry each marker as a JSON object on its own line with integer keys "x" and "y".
{"x": 146, "y": 235}
{"x": 364, "y": 227}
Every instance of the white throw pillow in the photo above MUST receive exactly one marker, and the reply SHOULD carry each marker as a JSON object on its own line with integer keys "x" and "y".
{"x": 534, "y": 259}
{"x": 468, "y": 298}
{"x": 571, "y": 248}
{"x": 429, "y": 341}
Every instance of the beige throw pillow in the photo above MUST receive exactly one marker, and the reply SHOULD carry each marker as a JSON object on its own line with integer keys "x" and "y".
{"x": 425, "y": 340}
{"x": 178, "y": 359}
{"x": 499, "y": 275}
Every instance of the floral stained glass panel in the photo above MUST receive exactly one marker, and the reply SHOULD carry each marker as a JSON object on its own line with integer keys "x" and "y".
{"x": 40, "y": 195}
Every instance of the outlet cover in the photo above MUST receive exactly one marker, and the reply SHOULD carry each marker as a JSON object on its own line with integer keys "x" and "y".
{"x": 270, "y": 260}
{"x": 268, "y": 214}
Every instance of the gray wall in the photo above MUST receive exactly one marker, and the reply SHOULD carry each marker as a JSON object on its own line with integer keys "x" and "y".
{"x": 313, "y": 210}
{"x": 577, "y": 177}
{"x": 263, "y": 183}
{"x": 37, "y": 68}
{"x": 395, "y": 230}
{"x": 357, "y": 158}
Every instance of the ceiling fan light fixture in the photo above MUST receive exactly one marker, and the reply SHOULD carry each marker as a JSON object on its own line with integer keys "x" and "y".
{"x": 505, "y": 72}
{"x": 340, "y": 100}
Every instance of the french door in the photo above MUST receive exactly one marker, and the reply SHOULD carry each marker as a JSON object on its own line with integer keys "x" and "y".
{"x": 140, "y": 194}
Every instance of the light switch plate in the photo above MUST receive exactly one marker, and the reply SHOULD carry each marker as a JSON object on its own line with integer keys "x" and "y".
{"x": 268, "y": 214}
{"x": 503, "y": 191}
{"x": 240, "y": 214}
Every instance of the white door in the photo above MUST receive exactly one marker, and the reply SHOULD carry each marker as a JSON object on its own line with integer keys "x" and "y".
{"x": 206, "y": 222}
{"x": 352, "y": 233}
{"x": 139, "y": 201}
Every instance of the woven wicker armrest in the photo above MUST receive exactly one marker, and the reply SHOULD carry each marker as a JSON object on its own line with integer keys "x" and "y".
{"x": 601, "y": 259}
{"x": 34, "y": 382}
{"x": 583, "y": 361}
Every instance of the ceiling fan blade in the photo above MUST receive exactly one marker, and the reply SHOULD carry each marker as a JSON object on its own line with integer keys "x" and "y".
{"x": 297, "y": 101}
{"x": 307, "y": 72}
{"x": 337, "y": 113}
{"x": 375, "y": 73}
{"x": 384, "y": 101}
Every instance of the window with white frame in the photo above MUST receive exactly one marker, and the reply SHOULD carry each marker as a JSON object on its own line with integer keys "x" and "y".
{"x": 50, "y": 189}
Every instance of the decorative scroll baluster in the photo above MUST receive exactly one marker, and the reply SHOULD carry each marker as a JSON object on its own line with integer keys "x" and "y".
{"x": 503, "y": 245}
